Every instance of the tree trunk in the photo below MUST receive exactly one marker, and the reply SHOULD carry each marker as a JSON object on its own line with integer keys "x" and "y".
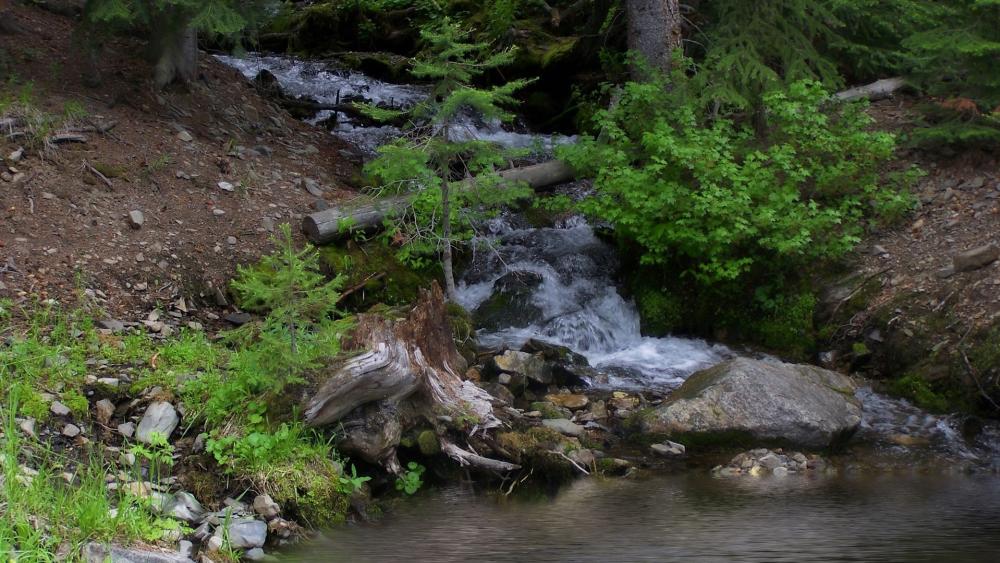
{"x": 446, "y": 260}
{"x": 331, "y": 224}
{"x": 175, "y": 47}
{"x": 654, "y": 31}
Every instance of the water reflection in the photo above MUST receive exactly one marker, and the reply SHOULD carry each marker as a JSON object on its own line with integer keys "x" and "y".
{"x": 692, "y": 518}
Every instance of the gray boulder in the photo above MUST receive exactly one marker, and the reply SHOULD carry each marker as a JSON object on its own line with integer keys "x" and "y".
{"x": 243, "y": 534}
{"x": 160, "y": 418}
{"x": 532, "y": 366}
{"x": 767, "y": 401}
{"x": 97, "y": 553}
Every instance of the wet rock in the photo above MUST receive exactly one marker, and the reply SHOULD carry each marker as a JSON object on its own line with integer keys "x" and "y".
{"x": 564, "y": 426}
{"x": 668, "y": 449}
{"x": 532, "y": 366}
{"x": 744, "y": 398}
{"x": 243, "y": 534}
{"x": 762, "y": 461}
{"x": 571, "y": 401}
{"x": 511, "y": 303}
{"x": 161, "y": 418}
{"x": 498, "y": 391}
{"x": 255, "y": 554}
{"x": 976, "y": 258}
{"x": 265, "y": 506}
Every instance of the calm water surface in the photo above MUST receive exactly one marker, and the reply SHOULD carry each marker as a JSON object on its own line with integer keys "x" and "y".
{"x": 691, "y": 517}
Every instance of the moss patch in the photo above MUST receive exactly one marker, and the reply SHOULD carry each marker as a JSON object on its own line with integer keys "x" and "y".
{"x": 385, "y": 279}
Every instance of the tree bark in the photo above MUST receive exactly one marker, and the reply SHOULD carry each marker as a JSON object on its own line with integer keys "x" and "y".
{"x": 878, "y": 90}
{"x": 654, "y": 31}
{"x": 407, "y": 372}
{"x": 175, "y": 45}
{"x": 331, "y": 224}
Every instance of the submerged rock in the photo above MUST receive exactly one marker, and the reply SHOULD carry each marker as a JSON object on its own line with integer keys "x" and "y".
{"x": 511, "y": 303}
{"x": 765, "y": 401}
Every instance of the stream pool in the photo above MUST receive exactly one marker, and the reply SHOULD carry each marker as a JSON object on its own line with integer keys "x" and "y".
{"x": 690, "y": 517}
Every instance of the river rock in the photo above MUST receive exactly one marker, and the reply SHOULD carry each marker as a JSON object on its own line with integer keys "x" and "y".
{"x": 572, "y": 401}
{"x": 161, "y": 418}
{"x": 564, "y": 426}
{"x": 97, "y": 553}
{"x": 58, "y": 409}
{"x": 183, "y": 506}
{"x": 529, "y": 365}
{"x": 767, "y": 401}
{"x": 511, "y": 303}
{"x": 265, "y": 506}
{"x": 244, "y": 534}
{"x": 668, "y": 449}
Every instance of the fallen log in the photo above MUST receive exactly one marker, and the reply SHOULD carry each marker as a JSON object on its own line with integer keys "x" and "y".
{"x": 878, "y": 90}
{"x": 406, "y": 373}
{"x": 335, "y": 222}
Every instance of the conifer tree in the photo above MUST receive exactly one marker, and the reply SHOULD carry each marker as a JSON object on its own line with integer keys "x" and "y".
{"x": 438, "y": 157}
{"x": 173, "y": 27}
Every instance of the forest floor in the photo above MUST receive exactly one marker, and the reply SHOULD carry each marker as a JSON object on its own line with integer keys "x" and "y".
{"x": 212, "y": 168}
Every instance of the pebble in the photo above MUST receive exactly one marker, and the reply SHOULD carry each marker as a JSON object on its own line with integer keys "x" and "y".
{"x": 216, "y": 211}
{"x": 16, "y": 155}
{"x": 127, "y": 429}
{"x": 231, "y": 241}
{"x": 265, "y": 506}
{"x": 104, "y": 410}
{"x": 564, "y": 426}
{"x": 226, "y": 186}
{"x": 58, "y": 409}
{"x": 71, "y": 430}
{"x": 185, "y": 136}
{"x": 28, "y": 427}
{"x": 136, "y": 219}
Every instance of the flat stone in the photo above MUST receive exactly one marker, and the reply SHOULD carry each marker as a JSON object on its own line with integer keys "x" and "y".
{"x": 564, "y": 426}
{"x": 226, "y": 186}
{"x": 976, "y": 258}
{"x": 98, "y": 553}
{"x": 111, "y": 324}
{"x": 161, "y": 418}
{"x": 185, "y": 136}
{"x": 572, "y": 401}
{"x": 668, "y": 449}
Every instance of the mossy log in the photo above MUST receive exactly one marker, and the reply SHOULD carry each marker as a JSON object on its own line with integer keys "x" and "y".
{"x": 331, "y": 224}
{"x": 406, "y": 371}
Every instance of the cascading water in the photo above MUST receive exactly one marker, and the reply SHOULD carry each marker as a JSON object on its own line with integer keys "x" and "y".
{"x": 571, "y": 300}
{"x": 327, "y": 84}
{"x": 556, "y": 284}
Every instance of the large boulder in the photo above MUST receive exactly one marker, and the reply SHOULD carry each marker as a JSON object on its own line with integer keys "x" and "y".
{"x": 753, "y": 400}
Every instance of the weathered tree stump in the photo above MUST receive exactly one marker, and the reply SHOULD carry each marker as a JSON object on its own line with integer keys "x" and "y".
{"x": 406, "y": 373}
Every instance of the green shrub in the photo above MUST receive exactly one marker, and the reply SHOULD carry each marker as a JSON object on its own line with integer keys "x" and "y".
{"x": 919, "y": 391}
{"x": 719, "y": 203}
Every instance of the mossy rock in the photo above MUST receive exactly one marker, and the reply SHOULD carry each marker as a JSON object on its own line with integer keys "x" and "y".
{"x": 428, "y": 443}
{"x": 383, "y": 66}
{"x": 310, "y": 492}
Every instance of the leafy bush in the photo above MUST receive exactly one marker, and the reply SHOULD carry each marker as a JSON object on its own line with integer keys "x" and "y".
{"x": 410, "y": 481}
{"x": 716, "y": 201}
